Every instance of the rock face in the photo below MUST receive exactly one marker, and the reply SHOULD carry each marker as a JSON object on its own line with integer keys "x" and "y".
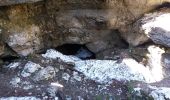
{"x": 11, "y": 2}
{"x": 28, "y": 28}
{"x": 19, "y": 30}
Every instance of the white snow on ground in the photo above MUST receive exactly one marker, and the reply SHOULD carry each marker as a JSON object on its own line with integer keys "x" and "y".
{"x": 53, "y": 54}
{"x": 19, "y": 98}
{"x": 162, "y": 93}
{"x": 30, "y": 68}
{"x": 104, "y": 71}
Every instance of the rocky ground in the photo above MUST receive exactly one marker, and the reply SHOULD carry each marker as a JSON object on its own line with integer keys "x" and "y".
{"x": 53, "y": 75}
{"x": 84, "y": 50}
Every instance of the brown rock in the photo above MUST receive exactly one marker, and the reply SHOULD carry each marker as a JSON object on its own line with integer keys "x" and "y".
{"x": 11, "y": 2}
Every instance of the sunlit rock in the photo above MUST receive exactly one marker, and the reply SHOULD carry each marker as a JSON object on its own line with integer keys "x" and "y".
{"x": 53, "y": 54}
{"x": 154, "y": 62}
{"x": 152, "y": 26}
{"x": 105, "y": 71}
{"x": 162, "y": 93}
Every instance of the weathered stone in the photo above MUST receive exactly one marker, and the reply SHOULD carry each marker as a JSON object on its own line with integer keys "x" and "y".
{"x": 52, "y": 23}
{"x": 133, "y": 34}
{"x": 11, "y": 2}
{"x": 165, "y": 62}
{"x": 19, "y": 30}
{"x": 29, "y": 69}
{"x": 155, "y": 26}
{"x": 44, "y": 74}
{"x": 152, "y": 26}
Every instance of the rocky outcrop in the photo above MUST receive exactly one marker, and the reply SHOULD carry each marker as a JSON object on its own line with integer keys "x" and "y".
{"x": 28, "y": 28}
{"x": 98, "y": 28}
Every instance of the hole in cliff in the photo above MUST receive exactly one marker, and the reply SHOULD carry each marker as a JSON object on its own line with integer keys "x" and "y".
{"x": 164, "y": 5}
{"x": 78, "y": 50}
{"x": 9, "y": 58}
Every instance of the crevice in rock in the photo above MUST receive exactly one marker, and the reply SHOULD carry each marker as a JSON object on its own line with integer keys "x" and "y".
{"x": 9, "y": 58}
{"x": 9, "y": 54}
{"x": 78, "y": 50}
{"x": 123, "y": 44}
{"x": 164, "y": 5}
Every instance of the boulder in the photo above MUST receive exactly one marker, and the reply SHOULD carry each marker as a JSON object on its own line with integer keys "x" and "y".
{"x": 19, "y": 31}
{"x": 152, "y": 26}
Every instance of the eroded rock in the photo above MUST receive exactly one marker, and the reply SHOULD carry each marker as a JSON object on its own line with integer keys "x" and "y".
{"x": 152, "y": 26}
{"x": 45, "y": 74}
{"x": 12, "y": 2}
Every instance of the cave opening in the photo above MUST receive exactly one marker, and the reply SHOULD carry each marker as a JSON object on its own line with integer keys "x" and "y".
{"x": 78, "y": 50}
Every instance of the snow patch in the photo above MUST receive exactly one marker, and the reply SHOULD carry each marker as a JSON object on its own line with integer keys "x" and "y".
{"x": 53, "y": 54}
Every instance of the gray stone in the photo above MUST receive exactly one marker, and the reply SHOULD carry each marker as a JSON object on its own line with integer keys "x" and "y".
{"x": 45, "y": 74}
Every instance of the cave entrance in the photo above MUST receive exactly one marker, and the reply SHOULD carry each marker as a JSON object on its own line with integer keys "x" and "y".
{"x": 81, "y": 51}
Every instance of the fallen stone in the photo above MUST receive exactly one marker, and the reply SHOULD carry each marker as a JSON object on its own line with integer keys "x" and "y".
{"x": 30, "y": 68}
{"x": 44, "y": 74}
